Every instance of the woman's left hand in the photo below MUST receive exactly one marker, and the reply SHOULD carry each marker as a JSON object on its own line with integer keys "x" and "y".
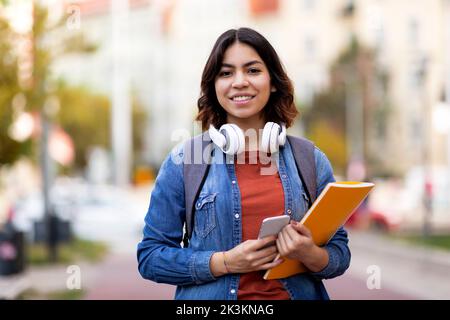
{"x": 295, "y": 242}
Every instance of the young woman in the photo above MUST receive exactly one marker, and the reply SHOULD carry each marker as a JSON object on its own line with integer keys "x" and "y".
{"x": 244, "y": 90}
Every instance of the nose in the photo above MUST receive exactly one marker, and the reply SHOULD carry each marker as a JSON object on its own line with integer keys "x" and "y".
{"x": 239, "y": 80}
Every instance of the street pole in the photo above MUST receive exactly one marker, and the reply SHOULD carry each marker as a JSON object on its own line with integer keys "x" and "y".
{"x": 121, "y": 104}
{"x": 426, "y": 147}
{"x": 49, "y": 220}
{"x": 354, "y": 123}
{"x": 49, "y": 216}
{"x": 447, "y": 79}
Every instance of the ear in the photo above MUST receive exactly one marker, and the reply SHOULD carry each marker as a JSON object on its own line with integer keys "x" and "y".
{"x": 273, "y": 89}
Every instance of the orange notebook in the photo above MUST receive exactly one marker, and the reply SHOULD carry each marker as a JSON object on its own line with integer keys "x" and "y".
{"x": 330, "y": 211}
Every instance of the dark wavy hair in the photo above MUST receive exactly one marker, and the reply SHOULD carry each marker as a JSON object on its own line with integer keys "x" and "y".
{"x": 280, "y": 107}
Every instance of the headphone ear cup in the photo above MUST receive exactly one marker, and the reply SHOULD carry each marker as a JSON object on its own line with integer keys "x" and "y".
{"x": 282, "y": 136}
{"x": 272, "y": 137}
{"x": 265, "y": 139}
{"x": 274, "y": 134}
{"x": 218, "y": 138}
{"x": 234, "y": 139}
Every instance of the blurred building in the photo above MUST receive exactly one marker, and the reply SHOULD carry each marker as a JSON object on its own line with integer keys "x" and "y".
{"x": 169, "y": 42}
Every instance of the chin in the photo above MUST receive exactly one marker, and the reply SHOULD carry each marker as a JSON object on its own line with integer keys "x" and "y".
{"x": 244, "y": 113}
{"x": 244, "y": 116}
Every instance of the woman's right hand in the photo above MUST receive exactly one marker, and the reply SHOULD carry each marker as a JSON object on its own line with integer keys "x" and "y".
{"x": 252, "y": 255}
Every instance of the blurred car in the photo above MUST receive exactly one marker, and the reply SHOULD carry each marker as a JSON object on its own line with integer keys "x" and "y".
{"x": 27, "y": 214}
{"x": 384, "y": 209}
{"x": 64, "y": 195}
{"x": 110, "y": 214}
{"x": 367, "y": 218}
{"x": 94, "y": 212}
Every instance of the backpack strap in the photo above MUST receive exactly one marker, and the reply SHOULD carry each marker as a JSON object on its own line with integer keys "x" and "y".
{"x": 303, "y": 151}
{"x": 195, "y": 170}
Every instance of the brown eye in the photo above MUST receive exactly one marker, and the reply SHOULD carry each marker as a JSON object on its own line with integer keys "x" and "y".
{"x": 224, "y": 73}
{"x": 253, "y": 71}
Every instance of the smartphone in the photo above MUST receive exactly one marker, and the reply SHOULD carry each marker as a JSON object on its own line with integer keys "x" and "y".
{"x": 273, "y": 225}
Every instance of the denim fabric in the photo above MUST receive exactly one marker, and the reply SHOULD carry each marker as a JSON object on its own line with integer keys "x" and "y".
{"x": 217, "y": 227}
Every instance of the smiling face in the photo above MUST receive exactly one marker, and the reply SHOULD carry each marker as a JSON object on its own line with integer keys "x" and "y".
{"x": 243, "y": 86}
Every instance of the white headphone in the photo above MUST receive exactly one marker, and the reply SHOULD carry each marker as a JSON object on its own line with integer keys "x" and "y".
{"x": 231, "y": 140}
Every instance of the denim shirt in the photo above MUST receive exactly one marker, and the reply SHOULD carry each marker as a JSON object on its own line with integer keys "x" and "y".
{"x": 217, "y": 227}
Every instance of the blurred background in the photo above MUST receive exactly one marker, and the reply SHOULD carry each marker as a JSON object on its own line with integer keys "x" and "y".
{"x": 95, "y": 93}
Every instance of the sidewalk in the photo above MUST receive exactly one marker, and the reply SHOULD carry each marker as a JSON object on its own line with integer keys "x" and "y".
{"x": 43, "y": 280}
{"x": 419, "y": 272}
{"x": 118, "y": 279}
{"x": 407, "y": 272}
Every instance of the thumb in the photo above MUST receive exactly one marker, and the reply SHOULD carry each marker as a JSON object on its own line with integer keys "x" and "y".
{"x": 301, "y": 229}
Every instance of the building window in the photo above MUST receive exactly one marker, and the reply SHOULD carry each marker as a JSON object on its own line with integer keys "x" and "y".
{"x": 309, "y": 4}
{"x": 262, "y": 7}
{"x": 310, "y": 48}
{"x": 413, "y": 33}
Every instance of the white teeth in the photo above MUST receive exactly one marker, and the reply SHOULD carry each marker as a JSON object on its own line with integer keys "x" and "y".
{"x": 242, "y": 98}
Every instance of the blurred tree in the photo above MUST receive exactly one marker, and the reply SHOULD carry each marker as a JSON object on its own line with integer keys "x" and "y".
{"x": 34, "y": 53}
{"x": 85, "y": 116}
{"x": 325, "y": 125}
{"x": 10, "y": 149}
{"x": 355, "y": 72}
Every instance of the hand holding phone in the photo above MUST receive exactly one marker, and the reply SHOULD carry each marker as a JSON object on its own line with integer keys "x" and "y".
{"x": 273, "y": 225}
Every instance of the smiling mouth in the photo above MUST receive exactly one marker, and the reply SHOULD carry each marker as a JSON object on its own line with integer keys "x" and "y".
{"x": 242, "y": 99}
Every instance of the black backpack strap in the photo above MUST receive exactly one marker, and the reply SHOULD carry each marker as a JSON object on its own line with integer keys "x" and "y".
{"x": 195, "y": 170}
{"x": 303, "y": 151}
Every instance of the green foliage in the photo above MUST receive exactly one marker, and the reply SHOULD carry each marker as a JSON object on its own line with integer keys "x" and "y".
{"x": 76, "y": 250}
{"x": 139, "y": 121}
{"x": 439, "y": 241}
{"x": 42, "y": 56}
{"x": 83, "y": 114}
{"x": 10, "y": 150}
{"x": 325, "y": 125}
{"x": 85, "y": 117}
{"x": 35, "y": 294}
{"x": 353, "y": 75}
{"x": 330, "y": 140}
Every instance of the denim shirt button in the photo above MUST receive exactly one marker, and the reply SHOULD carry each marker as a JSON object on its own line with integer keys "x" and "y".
{"x": 233, "y": 291}
{"x": 233, "y": 182}
{"x": 284, "y": 176}
{"x": 289, "y": 211}
{"x": 236, "y": 216}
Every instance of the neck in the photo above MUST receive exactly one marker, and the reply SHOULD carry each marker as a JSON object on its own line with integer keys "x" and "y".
{"x": 252, "y": 136}
{"x": 246, "y": 125}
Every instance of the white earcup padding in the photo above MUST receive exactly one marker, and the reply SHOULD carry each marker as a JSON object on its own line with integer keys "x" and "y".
{"x": 282, "y": 136}
{"x": 218, "y": 139}
{"x": 270, "y": 137}
{"x": 229, "y": 138}
{"x": 235, "y": 139}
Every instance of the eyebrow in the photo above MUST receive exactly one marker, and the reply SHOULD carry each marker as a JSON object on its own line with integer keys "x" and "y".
{"x": 244, "y": 65}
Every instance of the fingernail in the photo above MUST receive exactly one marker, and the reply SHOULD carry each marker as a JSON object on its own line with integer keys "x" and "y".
{"x": 294, "y": 222}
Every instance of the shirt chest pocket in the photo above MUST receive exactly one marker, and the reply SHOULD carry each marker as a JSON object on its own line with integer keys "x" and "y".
{"x": 205, "y": 214}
